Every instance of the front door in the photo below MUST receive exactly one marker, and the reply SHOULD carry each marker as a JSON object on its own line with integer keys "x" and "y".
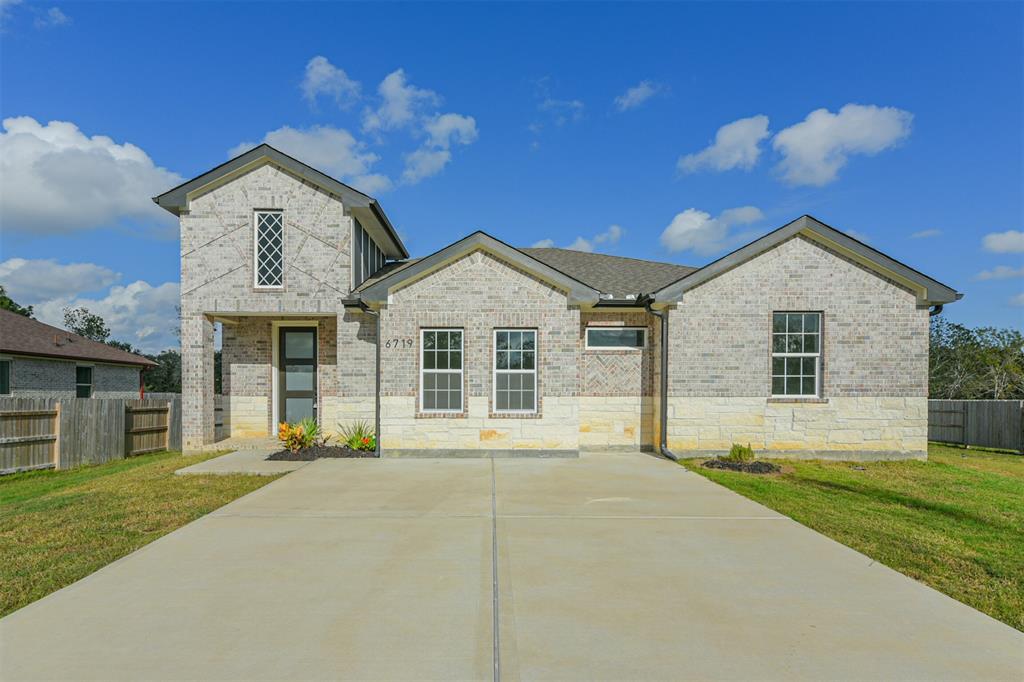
{"x": 297, "y": 378}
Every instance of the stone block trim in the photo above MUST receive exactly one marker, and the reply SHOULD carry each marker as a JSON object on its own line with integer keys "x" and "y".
{"x": 616, "y": 422}
{"x": 838, "y": 426}
{"x": 874, "y": 337}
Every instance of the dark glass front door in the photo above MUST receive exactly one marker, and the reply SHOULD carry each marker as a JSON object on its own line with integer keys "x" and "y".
{"x": 297, "y": 378}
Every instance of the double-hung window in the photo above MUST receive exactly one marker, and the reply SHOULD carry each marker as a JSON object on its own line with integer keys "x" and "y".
{"x": 515, "y": 370}
{"x": 269, "y": 249}
{"x": 5, "y": 377}
{"x": 796, "y": 354}
{"x": 83, "y": 381}
{"x": 441, "y": 370}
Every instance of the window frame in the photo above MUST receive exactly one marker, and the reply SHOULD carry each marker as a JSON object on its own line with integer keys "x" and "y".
{"x": 817, "y": 357}
{"x": 461, "y": 371}
{"x": 10, "y": 377}
{"x": 92, "y": 380}
{"x": 495, "y": 371}
{"x": 256, "y": 249}
{"x": 597, "y": 327}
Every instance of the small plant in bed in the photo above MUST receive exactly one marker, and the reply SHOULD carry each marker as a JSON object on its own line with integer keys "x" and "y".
{"x": 306, "y": 441}
{"x": 741, "y": 458}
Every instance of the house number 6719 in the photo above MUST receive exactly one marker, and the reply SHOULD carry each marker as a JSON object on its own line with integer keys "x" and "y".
{"x": 398, "y": 343}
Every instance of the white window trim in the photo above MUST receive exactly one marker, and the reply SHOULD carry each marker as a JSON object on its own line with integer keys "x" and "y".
{"x": 816, "y": 356}
{"x": 256, "y": 248}
{"x": 604, "y": 327}
{"x": 10, "y": 376}
{"x": 462, "y": 368}
{"x": 495, "y": 370}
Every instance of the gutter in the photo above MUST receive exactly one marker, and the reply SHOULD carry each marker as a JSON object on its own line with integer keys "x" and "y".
{"x": 647, "y": 300}
{"x": 362, "y": 307}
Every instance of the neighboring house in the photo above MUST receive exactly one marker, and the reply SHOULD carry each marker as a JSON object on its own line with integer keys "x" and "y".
{"x": 41, "y": 361}
{"x": 805, "y": 342}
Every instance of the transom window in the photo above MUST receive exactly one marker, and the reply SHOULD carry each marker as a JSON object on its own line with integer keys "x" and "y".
{"x": 83, "y": 382}
{"x": 441, "y": 370}
{"x": 5, "y": 377}
{"x": 616, "y": 338}
{"x": 269, "y": 249}
{"x": 796, "y": 354}
{"x": 515, "y": 370}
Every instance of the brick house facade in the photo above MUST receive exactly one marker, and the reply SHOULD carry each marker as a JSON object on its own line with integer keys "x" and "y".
{"x": 804, "y": 342}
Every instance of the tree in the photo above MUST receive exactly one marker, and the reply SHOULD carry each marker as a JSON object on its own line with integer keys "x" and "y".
{"x": 975, "y": 364}
{"x": 6, "y": 303}
{"x": 84, "y": 323}
{"x": 166, "y": 376}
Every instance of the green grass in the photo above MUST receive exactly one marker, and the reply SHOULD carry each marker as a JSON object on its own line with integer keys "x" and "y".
{"x": 955, "y": 522}
{"x": 59, "y": 526}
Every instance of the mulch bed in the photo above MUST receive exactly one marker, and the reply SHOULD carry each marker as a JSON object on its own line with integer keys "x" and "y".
{"x": 319, "y": 452}
{"x": 755, "y": 467}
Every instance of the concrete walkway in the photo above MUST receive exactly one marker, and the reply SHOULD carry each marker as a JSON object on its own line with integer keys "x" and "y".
{"x": 251, "y": 462}
{"x": 605, "y": 567}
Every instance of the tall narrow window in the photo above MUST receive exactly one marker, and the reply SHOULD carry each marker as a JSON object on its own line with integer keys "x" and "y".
{"x": 796, "y": 354}
{"x": 441, "y": 370}
{"x": 83, "y": 382}
{"x": 5, "y": 377}
{"x": 515, "y": 370}
{"x": 269, "y": 249}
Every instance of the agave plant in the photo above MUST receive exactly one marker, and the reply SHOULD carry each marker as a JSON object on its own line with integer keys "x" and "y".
{"x": 359, "y": 436}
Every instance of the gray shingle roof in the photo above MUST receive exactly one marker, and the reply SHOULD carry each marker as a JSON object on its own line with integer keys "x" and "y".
{"x": 616, "y": 275}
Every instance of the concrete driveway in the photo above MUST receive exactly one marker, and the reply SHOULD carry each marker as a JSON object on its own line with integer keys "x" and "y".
{"x": 606, "y": 567}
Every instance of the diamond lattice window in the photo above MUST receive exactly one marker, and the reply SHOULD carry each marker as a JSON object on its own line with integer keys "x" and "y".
{"x": 269, "y": 249}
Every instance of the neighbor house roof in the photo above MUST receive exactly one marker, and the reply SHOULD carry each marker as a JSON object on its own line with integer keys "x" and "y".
{"x": 20, "y": 335}
{"x": 928, "y": 290}
{"x": 364, "y": 207}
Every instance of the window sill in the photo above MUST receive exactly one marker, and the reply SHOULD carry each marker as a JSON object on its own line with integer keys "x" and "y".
{"x": 441, "y": 415}
{"x": 812, "y": 401}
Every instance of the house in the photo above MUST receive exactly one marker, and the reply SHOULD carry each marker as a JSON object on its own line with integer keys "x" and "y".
{"x": 41, "y": 361}
{"x": 805, "y": 342}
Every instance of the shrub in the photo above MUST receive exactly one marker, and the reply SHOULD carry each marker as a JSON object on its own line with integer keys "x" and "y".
{"x": 359, "y": 436}
{"x": 305, "y": 434}
{"x": 740, "y": 453}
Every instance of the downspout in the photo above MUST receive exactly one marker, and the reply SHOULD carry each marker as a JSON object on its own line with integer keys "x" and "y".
{"x": 663, "y": 401}
{"x": 936, "y": 309}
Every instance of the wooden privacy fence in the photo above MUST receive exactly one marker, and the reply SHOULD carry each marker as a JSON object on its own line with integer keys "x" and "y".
{"x": 42, "y": 433}
{"x": 982, "y": 423}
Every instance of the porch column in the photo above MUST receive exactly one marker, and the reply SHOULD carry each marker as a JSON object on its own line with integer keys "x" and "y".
{"x": 197, "y": 403}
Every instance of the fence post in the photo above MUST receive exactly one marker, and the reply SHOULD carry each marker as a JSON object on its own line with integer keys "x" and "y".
{"x": 966, "y": 420}
{"x": 167, "y": 433}
{"x": 56, "y": 440}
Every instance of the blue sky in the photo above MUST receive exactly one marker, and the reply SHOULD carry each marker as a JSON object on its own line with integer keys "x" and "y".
{"x": 661, "y": 131}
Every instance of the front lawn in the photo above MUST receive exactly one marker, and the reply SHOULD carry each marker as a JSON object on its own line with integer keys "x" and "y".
{"x": 955, "y": 522}
{"x": 59, "y": 526}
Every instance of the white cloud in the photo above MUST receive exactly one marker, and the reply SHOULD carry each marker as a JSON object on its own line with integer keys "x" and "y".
{"x": 1000, "y": 272}
{"x": 51, "y": 18}
{"x": 1017, "y": 300}
{"x": 332, "y": 150}
{"x": 36, "y": 280}
{"x": 324, "y": 78}
{"x": 926, "y": 234}
{"x": 637, "y": 95}
{"x": 736, "y": 145}
{"x": 400, "y": 105}
{"x": 424, "y": 163}
{"x": 563, "y": 110}
{"x": 372, "y": 183}
{"x": 55, "y": 180}
{"x": 815, "y": 149}
{"x": 142, "y": 314}
{"x": 697, "y": 231}
{"x": 5, "y": 9}
{"x": 609, "y": 237}
{"x": 1010, "y": 241}
{"x": 447, "y": 128}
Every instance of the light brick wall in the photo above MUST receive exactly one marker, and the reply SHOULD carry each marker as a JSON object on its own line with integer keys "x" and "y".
{"x": 52, "y": 378}
{"x": 479, "y": 293}
{"x": 875, "y": 346}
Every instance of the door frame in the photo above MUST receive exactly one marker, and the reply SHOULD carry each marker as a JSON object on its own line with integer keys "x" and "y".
{"x": 275, "y": 369}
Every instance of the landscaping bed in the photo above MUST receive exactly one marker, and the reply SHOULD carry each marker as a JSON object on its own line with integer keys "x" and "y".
{"x": 320, "y": 452}
{"x": 755, "y": 467}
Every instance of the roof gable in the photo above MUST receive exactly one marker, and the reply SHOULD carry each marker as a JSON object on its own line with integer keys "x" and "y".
{"x": 577, "y": 291}
{"x": 25, "y": 336}
{"x": 364, "y": 207}
{"x": 928, "y": 290}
